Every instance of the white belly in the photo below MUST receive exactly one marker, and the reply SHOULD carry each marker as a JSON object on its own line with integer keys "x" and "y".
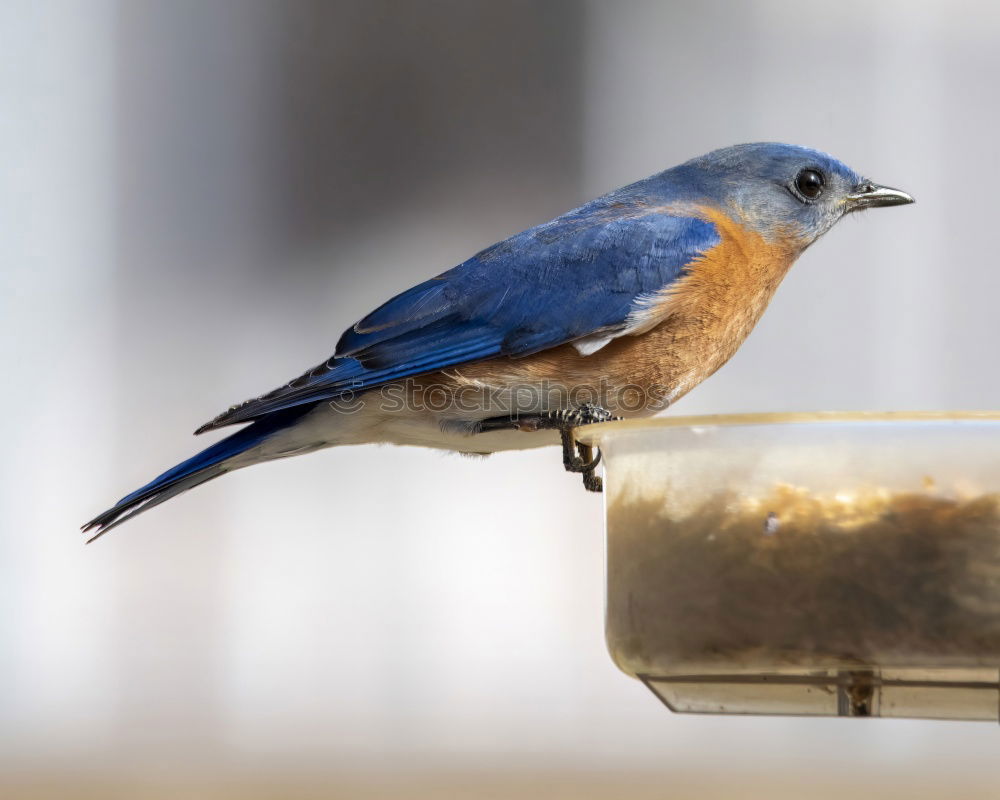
{"x": 327, "y": 427}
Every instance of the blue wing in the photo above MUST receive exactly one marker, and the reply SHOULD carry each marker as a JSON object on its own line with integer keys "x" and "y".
{"x": 577, "y": 276}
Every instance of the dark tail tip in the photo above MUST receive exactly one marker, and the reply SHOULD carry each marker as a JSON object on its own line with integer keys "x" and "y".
{"x": 204, "y": 466}
{"x": 151, "y": 495}
{"x": 100, "y": 522}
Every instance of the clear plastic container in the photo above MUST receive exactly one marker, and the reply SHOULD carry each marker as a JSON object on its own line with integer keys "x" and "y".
{"x": 829, "y": 564}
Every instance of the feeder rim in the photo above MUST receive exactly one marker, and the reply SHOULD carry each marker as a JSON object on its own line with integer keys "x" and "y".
{"x": 595, "y": 434}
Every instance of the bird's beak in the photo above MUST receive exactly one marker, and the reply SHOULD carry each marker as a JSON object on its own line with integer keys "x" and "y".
{"x": 870, "y": 195}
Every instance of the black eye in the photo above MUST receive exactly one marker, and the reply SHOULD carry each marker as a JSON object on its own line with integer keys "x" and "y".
{"x": 809, "y": 182}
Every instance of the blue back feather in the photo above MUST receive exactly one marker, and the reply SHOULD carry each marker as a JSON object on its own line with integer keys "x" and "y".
{"x": 572, "y": 277}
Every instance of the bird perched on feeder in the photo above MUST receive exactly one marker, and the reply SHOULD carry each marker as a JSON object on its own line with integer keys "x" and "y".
{"x": 617, "y": 308}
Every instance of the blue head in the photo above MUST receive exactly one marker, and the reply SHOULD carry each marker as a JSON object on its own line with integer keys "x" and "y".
{"x": 781, "y": 190}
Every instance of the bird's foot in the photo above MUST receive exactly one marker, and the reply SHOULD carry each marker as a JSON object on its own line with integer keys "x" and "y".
{"x": 577, "y": 457}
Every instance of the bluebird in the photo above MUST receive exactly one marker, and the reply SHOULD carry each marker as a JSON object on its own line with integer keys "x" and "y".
{"x": 615, "y": 309}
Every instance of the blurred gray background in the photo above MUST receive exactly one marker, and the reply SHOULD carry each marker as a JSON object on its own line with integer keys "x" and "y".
{"x": 197, "y": 198}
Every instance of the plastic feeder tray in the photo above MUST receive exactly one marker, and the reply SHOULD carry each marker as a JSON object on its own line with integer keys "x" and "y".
{"x": 842, "y": 564}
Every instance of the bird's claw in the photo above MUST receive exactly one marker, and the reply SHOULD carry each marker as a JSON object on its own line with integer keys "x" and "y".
{"x": 577, "y": 457}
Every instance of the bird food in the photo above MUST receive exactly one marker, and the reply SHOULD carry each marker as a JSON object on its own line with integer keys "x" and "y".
{"x": 794, "y": 578}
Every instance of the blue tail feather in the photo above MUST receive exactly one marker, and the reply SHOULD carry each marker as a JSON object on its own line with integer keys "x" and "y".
{"x": 201, "y": 467}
